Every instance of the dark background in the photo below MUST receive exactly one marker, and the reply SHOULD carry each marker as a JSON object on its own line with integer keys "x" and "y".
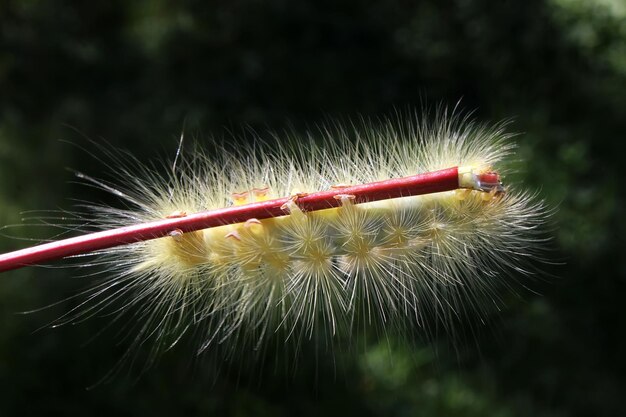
{"x": 135, "y": 72}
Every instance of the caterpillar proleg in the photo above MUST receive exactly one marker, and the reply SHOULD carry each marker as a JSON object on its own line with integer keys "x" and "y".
{"x": 373, "y": 224}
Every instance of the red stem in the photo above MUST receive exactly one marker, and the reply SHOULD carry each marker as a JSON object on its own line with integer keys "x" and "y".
{"x": 426, "y": 183}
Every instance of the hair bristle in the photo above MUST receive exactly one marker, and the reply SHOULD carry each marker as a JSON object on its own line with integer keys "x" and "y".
{"x": 392, "y": 263}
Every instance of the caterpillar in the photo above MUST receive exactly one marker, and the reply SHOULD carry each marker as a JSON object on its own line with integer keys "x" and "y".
{"x": 302, "y": 271}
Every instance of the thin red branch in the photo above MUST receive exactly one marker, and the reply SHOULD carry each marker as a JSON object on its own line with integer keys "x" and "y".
{"x": 430, "y": 182}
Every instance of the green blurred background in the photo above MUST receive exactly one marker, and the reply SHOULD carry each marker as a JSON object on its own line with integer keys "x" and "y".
{"x": 135, "y": 72}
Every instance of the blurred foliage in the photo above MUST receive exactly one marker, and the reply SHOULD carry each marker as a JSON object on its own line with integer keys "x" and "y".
{"x": 136, "y": 72}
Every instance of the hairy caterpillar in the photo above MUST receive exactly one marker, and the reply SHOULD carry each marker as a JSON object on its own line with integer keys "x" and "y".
{"x": 391, "y": 264}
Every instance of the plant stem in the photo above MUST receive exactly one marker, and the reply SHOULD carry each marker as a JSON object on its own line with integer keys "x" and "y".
{"x": 426, "y": 183}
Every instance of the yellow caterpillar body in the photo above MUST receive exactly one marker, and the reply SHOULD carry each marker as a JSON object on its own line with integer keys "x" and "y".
{"x": 390, "y": 263}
